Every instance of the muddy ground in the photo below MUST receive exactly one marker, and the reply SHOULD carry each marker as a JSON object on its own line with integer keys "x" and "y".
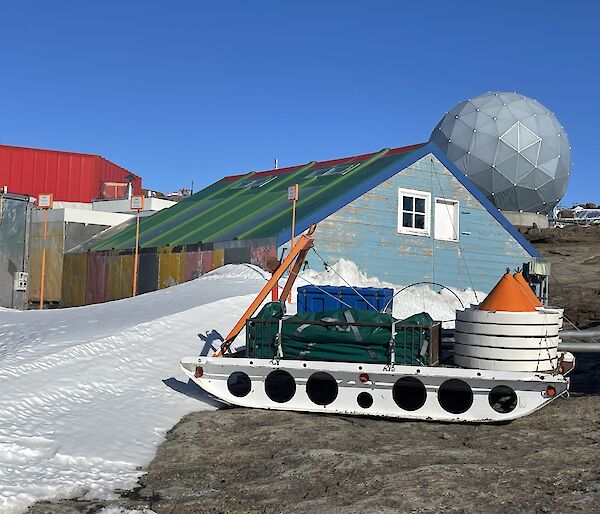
{"x": 574, "y": 254}
{"x": 241, "y": 460}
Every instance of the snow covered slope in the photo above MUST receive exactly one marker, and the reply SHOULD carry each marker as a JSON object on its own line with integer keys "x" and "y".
{"x": 82, "y": 399}
{"x": 83, "y": 404}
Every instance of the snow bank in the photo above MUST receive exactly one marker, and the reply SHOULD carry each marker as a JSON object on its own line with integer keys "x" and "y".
{"x": 83, "y": 400}
{"x": 420, "y": 298}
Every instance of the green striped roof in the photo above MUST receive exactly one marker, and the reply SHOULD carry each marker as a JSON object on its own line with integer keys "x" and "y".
{"x": 255, "y": 205}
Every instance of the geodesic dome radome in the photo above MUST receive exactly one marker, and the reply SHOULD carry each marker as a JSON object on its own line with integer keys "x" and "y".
{"x": 511, "y": 146}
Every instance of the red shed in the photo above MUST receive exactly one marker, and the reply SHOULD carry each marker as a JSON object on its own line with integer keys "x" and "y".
{"x": 69, "y": 176}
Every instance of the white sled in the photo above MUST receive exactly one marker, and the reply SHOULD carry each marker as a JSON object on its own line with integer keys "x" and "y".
{"x": 510, "y": 366}
{"x": 427, "y": 393}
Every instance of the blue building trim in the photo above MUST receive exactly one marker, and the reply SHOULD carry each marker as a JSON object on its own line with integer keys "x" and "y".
{"x": 391, "y": 170}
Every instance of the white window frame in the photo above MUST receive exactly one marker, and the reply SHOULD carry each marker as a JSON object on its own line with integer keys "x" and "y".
{"x": 335, "y": 171}
{"x": 426, "y": 231}
{"x": 456, "y": 205}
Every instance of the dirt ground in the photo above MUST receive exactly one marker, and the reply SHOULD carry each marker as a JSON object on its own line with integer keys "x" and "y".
{"x": 239, "y": 460}
{"x": 574, "y": 254}
{"x": 255, "y": 461}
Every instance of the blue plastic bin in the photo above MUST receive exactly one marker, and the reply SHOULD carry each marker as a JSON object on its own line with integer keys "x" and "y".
{"x": 313, "y": 299}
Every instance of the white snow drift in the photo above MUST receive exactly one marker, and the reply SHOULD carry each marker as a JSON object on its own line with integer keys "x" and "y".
{"x": 83, "y": 402}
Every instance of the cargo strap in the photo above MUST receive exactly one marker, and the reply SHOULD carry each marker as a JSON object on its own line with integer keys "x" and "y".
{"x": 301, "y": 328}
{"x": 393, "y": 345}
{"x": 424, "y": 348}
{"x": 354, "y": 328}
{"x": 279, "y": 347}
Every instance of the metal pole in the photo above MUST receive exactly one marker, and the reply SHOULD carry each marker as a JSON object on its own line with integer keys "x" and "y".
{"x": 289, "y": 298}
{"x": 293, "y": 220}
{"x": 579, "y": 347}
{"x": 43, "y": 260}
{"x": 135, "y": 258}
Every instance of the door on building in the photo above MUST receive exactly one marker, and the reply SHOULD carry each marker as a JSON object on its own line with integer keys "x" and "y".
{"x": 446, "y": 220}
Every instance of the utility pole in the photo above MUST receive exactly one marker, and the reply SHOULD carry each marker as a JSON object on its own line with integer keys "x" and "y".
{"x": 45, "y": 202}
{"x": 137, "y": 204}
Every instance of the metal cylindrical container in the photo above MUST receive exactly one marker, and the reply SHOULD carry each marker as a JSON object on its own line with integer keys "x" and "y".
{"x": 507, "y": 341}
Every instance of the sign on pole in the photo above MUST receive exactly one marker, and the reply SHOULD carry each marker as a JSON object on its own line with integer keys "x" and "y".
{"x": 137, "y": 203}
{"x": 45, "y": 201}
{"x": 293, "y": 193}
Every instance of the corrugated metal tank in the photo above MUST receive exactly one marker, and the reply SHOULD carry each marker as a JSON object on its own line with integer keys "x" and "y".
{"x": 70, "y": 177}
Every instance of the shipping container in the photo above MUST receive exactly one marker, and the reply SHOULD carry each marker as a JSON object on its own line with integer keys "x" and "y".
{"x": 69, "y": 176}
{"x": 322, "y": 298}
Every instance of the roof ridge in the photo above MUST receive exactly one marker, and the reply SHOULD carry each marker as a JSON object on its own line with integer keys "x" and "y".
{"x": 319, "y": 164}
{"x": 51, "y": 150}
{"x": 67, "y": 152}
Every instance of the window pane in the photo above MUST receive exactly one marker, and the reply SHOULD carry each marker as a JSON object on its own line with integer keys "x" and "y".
{"x": 407, "y": 203}
{"x": 420, "y": 221}
{"x": 419, "y": 204}
{"x": 407, "y": 220}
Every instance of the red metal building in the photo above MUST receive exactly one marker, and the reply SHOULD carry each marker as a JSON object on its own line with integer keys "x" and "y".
{"x": 69, "y": 176}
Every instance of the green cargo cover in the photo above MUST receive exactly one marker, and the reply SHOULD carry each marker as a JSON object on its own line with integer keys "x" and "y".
{"x": 326, "y": 336}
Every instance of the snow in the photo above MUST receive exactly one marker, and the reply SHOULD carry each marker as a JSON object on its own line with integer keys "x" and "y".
{"x": 412, "y": 300}
{"x": 84, "y": 392}
{"x": 83, "y": 404}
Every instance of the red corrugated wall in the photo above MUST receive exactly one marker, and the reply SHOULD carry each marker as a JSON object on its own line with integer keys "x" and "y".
{"x": 70, "y": 177}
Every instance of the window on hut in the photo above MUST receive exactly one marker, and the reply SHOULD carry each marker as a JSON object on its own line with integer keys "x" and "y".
{"x": 414, "y": 212}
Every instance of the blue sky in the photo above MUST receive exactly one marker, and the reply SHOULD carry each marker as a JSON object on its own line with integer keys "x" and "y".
{"x": 191, "y": 90}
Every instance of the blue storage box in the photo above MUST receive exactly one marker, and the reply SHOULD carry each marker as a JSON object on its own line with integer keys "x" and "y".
{"x": 313, "y": 299}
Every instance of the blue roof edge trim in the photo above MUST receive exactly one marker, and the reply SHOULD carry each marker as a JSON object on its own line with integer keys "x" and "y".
{"x": 388, "y": 172}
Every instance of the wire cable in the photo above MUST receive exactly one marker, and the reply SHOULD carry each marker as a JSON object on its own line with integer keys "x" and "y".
{"x": 461, "y": 253}
{"x": 347, "y": 283}
{"x": 328, "y": 294}
{"x": 578, "y": 329}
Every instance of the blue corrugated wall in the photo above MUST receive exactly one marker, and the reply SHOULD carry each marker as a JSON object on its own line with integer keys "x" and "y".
{"x": 365, "y": 231}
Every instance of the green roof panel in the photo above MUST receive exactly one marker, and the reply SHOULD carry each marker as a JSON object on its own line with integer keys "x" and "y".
{"x": 253, "y": 206}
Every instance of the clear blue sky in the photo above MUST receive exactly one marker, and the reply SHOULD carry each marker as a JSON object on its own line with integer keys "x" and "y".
{"x": 194, "y": 90}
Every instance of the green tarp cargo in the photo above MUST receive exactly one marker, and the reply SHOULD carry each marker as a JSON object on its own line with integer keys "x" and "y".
{"x": 345, "y": 335}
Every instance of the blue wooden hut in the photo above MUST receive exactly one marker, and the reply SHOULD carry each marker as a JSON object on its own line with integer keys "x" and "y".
{"x": 404, "y": 215}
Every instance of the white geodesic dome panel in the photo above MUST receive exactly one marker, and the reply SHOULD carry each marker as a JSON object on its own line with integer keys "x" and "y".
{"x": 511, "y": 146}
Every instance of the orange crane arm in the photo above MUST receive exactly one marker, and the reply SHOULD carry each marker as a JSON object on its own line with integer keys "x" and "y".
{"x": 299, "y": 251}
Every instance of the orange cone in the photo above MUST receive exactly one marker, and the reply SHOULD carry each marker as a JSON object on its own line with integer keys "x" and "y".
{"x": 527, "y": 289}
{"x": 509, "y": 296}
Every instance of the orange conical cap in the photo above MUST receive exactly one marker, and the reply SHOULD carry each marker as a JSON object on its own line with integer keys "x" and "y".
{"x": 527, "y": 289}
{"x": 509, "y": 296}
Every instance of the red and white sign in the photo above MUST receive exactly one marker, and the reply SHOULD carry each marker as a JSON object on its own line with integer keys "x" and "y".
{"x": 137, "y": 203}
{"x": 45, "y": 201}
{"x": 293, "y": 193}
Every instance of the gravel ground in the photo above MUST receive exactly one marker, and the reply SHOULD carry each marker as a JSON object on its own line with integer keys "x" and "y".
{"x": 574, "y": 254}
